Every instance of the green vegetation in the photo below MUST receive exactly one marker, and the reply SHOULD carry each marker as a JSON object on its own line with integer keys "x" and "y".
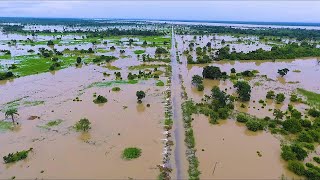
{"x": 198, "y": 82}
{"x": 83, "y": 125}
{"x": 14, "y": 157}
{"x": 139, "y": 51}
{"x": 100, "y": 100}
{"x": 243, "y": 90}
{"x": 54, "y": 123}
{"x": 312, "y": 97}
{"x": 11, "y": 112}
{"x": 160, "y": 83}
{"x": 115, "y": 89}
{"x": 110, "y": 83}
{"x": 131, "y": 153}
{"x": 288, "y": 51}
{"x": 4, "y": 125}
{"x": 140, "y": 95}
{"x": 188, "y": 109}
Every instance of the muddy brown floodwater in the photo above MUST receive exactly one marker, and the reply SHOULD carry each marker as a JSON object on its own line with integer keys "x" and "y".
{"x": 229, "y": 151}
{"x": 62, "y": 152}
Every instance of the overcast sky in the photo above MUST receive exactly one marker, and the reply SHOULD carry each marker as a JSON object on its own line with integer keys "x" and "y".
{"x": 278, "y": 11}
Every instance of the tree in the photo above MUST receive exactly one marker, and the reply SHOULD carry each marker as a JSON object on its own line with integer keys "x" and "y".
{"x": 211, "y": 72}
{"x": 144, "y": 43}
{"x": 292, "y": 125}
{"x": 11, "y": 112}
{"x": 50, "y": 43}
{"x": 278, "y": 114}
{"x": 233, "y": 70}
{"x": 283, "y": 72}
{"x": 83, "y": 125}
{"x": 297, "y": 167}
{"x": 280, "y": 98}
{"x": 196, "y": 80}
{"x": 270, "y": 95}
{"x": 243, "y": 90}
{"x": 140, "y": 95}
{"x": 79, "y": 60}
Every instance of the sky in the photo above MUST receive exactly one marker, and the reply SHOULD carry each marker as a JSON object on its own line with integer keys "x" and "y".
{"x": 266, "y": 11}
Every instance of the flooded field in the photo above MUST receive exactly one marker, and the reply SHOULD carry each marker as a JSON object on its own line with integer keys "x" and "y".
{"x": 153, "y": 109}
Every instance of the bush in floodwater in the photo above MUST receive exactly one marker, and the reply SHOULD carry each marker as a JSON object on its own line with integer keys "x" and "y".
{"x": 131, "y": 153}
{"x": 100, "y": 99}
{"x": 83, "y": 125}
{"x": 160, "y": 83}
{"x": 116, "y": 89}
{"x": 242, "y": 118}
{"x": 140, "y": 95}
{"x": 280, "y": 98}
{"x": 314, "y": 113}
{"x": 297, "y": 167}
{"x": 270, "y": 95}
{"x": 292, "y": 125}
{"x": 254, "y": 125}
{"x": 14, "y": 157}
{"x": 316, "y": 159}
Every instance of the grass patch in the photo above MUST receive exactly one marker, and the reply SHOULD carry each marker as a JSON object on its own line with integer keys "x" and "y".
{"x": 131, "y": 153}
{"x": 112, "y": 68}
{"x": 14, "y": 157}
{"x": 110, "y": 83}
{"x": 160, "y": 83}
{"x": 54, "y": 123}
{"x": 144, "y": 66}
{"x": 312, "y": 97}
{"x": 32, "y": 103}
{"x": 139, "y": 51}
{"x": 116, "y": 89}
{"x": 5, "y": 125}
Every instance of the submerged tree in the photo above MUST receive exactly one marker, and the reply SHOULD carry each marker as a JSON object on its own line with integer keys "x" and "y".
{"x": 140, "y": 95}
{"x": 11, "y": 112}
{"x": 283, "y": 72}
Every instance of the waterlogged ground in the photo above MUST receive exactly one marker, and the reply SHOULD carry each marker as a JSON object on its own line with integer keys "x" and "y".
{"x": 228, "y": 150}
{"x": 225, "y": 151}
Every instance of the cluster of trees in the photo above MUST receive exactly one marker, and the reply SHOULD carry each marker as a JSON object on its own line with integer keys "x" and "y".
{"x": 104, "y": 58}
{"x": 279, "y": 98}
{"x": 288, "y": 51}
{"x": 198, "y": 82}
{"x": 243, "y": 90}
{"x": 217, "y": 106}
{"x": 300, "y": 34}
{"x": 213, "y": 72}
{"x": 161, "y": 50}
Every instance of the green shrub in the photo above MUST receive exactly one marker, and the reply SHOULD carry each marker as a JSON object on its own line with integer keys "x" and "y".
{"x": 100, "y": 100}
{"x": 292, "y": 125}
{"x": 54, "y": 123}
{"x": 314, "y": 113}
{"x": 83, "y": 125}
{"x": 116, "y": 89}
{"x": 293, "y": 98}
{"x": 299, "y": 151}
{"x": 280, "y": 98}
{"x": 254, "y": 125}
{"x": 270, "y": 95}
{"x": 14, "y": 157}
{"x": 223, "y": 113}
{"x": 242, "y": 118}
{"x": 316, "y": 159}
{"x": 200, "y": 87}
{"x": 131, "y": 153}
{"x": 287, "y": 153}
{"x": 160, "y": 83}
{"x": 304, "y": 136}
{"x": 297, "y": 167}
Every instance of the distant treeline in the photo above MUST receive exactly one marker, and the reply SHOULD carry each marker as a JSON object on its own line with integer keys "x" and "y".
{"x": 89, "y": 33}
{"x": 67, "y": 21}
{"x": 300, "y": 34}
{"x": 289, "y": 51}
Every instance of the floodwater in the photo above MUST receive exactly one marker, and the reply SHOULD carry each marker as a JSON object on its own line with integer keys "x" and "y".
{"x": 63, "y": 153}
{"x": 229, "y": 151}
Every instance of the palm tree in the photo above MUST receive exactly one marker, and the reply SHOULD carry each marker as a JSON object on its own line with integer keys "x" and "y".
{"x": 11, "y": 112}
